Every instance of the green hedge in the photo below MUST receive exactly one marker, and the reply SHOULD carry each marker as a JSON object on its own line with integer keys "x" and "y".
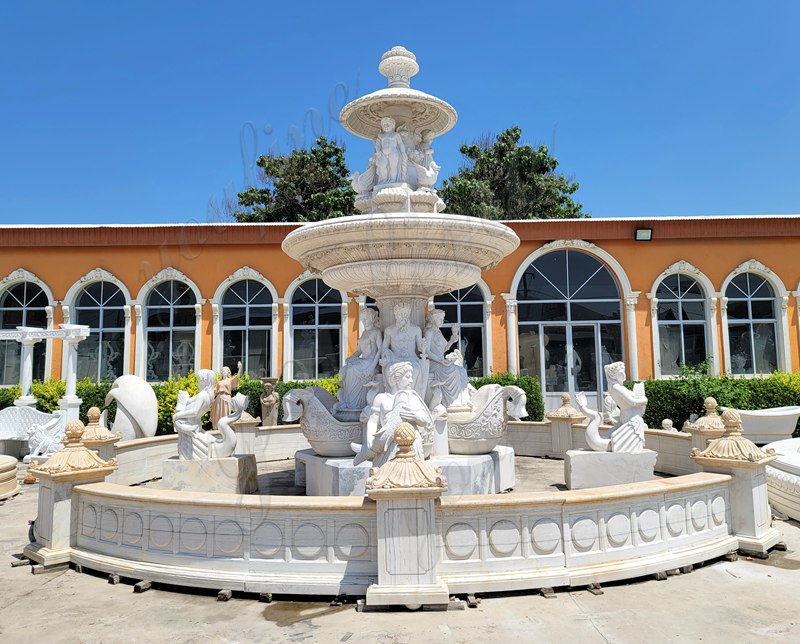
{"x": 680, "y": 398}
{"x": 93, "y": 394}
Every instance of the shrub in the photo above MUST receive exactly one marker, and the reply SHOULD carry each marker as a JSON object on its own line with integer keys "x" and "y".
{"x": 680, "y": 398}
{"x": 8, "y": 395}
{"x": 47, "y": 394}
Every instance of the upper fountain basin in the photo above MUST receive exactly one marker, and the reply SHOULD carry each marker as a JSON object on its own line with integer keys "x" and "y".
{"x": 399, "y": 253}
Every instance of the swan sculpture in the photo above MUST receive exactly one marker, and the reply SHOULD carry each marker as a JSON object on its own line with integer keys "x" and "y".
{"x": 479, "y": 431}
{"x": 593, "y": 437}
{"x": 313, "y": 408}
{"x": 205, "y": 445}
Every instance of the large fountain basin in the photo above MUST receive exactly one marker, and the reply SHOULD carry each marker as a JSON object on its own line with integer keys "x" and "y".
{"x": 768, "y": 425}
{"x": 400, "y": 253}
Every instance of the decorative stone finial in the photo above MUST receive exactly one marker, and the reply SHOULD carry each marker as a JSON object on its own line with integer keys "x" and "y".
{"x": 75, "y": 457}
{"x": 566, "y": 411}
{"x": 733, "y": 446}
{"x": 406, "y": 471}
{"x": 398, "y": 65}
{"x": 95, "y": 432}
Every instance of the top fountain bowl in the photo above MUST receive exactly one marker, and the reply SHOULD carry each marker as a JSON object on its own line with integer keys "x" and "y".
{"x": 429, "y": 254}
{"x": 416, "y": 110}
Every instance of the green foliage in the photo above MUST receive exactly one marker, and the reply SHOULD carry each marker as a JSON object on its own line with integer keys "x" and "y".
{"x": 307, "y": 185}
{"x": 505, "y": 180}
{"x": 167, "y": 396}
{"x": 252, "y": 388}
{"x": 93, "y": 394}
{"x": 680, "y": 398}
{"x": 47, "y": 394}
{"x": 529, "y": 384}
{"x": 8, "y": 395}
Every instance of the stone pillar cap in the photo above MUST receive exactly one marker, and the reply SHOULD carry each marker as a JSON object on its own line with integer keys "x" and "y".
{"x": 75, "y": 461}
{"x": 733, "y": 447}
{"x": 566, "y": 411}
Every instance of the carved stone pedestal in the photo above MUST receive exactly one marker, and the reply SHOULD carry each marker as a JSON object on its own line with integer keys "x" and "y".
{"x": 232, "y": 475}
{"x": 482, "y": 474}
{"x": 406, "y": 491}
{"x": 587, "y": 468}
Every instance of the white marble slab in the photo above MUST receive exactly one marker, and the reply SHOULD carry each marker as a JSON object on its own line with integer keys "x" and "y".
{"x": 587, "y": 468}
{"x": 478, "y": 474}
{"x": 232, "y": 475}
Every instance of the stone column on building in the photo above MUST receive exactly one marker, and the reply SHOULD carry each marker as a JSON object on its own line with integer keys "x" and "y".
{"x": 511, "y": 332}
{"x": 630, "y": 317}
{"x": 406, "y": 491}
{"x": 54, "y": 530}
{"x": 750, "y": 513}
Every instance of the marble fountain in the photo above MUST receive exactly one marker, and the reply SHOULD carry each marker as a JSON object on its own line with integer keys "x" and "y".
{"x": 403, "y": 469}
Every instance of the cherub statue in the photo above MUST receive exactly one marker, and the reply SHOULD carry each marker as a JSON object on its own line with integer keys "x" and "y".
{"x": 390, "y": 153}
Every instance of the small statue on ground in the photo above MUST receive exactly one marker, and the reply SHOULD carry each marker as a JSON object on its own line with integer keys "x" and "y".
{"x": 222, "y": 393}
{"x": 269, "y": 405}
{"x": 447, "y": 373}
{"x": 399, "y": 404}
{"x": 401, "y": 342}
{"x": 188, "y": 418}
{"x": 668, "y": 426}
{"x": 359, "y": 369}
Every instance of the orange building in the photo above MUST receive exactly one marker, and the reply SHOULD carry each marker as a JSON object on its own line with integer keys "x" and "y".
{"x": 577, "y": 294}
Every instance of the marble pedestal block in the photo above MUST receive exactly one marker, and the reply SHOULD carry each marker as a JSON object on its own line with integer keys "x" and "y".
{"x": 8, "y": 477}
{"x": 232, "y": 475}
{"x": 586, "y": 468}
{"x": 479, "y": 474}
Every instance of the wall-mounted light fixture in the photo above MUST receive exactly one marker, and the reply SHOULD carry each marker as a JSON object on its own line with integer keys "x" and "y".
{"x": 643, "y": 234}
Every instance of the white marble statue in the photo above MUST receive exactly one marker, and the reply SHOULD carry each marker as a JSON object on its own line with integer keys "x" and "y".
{"x": 193, "y": 442}
{"x": 400, "y": 403}
{"x": 391, "y": 157}
{"x": 137, "y": 407}
{"x": 269, "y": 405}
{"x": 359, "y": 369}
{"x": 627, "y": 434}
{"x": 449, "y": 375}
{"x": 401, "y": 343}
{"x": 45, "y": 439}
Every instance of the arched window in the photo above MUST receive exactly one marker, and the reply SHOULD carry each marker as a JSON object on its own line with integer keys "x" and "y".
{"x": 569, "y": 319}
{"x": 682, "y": 333}
{"x": 316, "y": 319}
{"x": 752, "y": 325}
{"x": 100, "y": 306}
{"x": 22, "y": 304}
{"x": 170, "y": 330}
{"x": 465, "y": 309}
{"x": 247, "y": 327}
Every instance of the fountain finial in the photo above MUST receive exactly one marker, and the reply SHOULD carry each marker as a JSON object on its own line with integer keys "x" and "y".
{"x": 398, "y": 65}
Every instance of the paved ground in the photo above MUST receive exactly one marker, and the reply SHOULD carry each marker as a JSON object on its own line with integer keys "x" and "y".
{"x": 730, "y": 602}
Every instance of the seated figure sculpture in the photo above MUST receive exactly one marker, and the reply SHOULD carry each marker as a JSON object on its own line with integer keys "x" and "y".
{"x": 627, "y": 434}
{"x": 401, "y": 342}
{"x": 188, "y": 417}
{"x": 359, "y": 369}
{"x": 399, "y": 404}
{"x": 448, "y": 374}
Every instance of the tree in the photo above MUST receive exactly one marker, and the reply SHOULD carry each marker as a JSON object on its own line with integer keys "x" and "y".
{"x": 307, "y": 185}
{"x": 505, "y": 180}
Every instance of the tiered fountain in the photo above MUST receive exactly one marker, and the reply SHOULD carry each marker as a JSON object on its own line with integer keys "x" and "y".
{"x": 402, "y": 252}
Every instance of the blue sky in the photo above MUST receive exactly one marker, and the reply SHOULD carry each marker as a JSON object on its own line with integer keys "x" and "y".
{"x": 145, "y": 112}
